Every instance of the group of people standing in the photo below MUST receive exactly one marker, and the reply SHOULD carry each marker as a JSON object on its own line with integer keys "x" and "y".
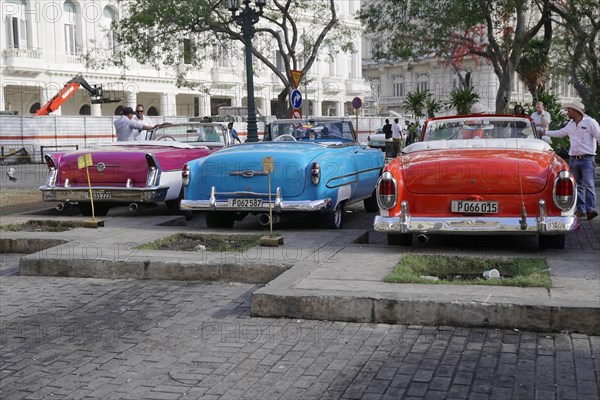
{"x": 134, "y": 126}
{"x": 394, "y": 132}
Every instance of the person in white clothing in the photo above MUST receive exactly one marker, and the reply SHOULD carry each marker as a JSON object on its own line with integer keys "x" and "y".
{"x": 396, "y": 138}
{"x": 127, "y": 127}
{"x": 144, "y": 119}
{"x": 541, "y": 117}
{"x": 583, "y": 132}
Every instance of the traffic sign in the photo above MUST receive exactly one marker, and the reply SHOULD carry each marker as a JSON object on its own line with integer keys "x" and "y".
{"x": 356, "y": 103}
{"x": 296, "y": 99}
{"x": 296, "y": 75}
{"x": 296, "y": 114}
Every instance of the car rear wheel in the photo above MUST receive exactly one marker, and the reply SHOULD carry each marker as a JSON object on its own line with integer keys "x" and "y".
{"x": 100, "y": 210}
{"x": 219, "y": 219}
{"x": 334, "y": 219}
{"x": 552, "y": 241}
{"x": 399, "y": 239}
{"x": 371, "y": 203}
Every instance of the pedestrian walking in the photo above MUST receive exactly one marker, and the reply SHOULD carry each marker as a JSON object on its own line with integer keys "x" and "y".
{"x": 396, "y": 138}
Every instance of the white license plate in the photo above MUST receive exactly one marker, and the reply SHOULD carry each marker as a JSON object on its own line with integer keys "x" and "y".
{"x": 242, "y": 203}
{"x": 474, "y": 207}
{"x": 98, "y": 195}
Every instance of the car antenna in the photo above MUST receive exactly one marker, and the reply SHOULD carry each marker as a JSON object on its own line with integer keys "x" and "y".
{"x": 523, "y": 221}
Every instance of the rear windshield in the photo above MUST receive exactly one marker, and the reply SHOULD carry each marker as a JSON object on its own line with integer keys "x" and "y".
{"x": 190, "y": 133}
{"x": 315, "y": 131}
{"x": 480, "y": 128}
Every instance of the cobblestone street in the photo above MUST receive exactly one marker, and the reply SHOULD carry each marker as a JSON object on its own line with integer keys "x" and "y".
{"x": 76, "y": 338}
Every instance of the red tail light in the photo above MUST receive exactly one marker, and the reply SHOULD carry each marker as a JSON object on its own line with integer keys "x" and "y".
{"x": 185, "y": 174}
{"x": 386, "y": 191}
{"x": 564, "y": 191}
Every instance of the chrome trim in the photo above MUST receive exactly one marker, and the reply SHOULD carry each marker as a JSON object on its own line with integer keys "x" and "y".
{"x": 475, "y": 225}
{"x": 543, "y": 218}
{"x": 101, "y": 167}
{"x": 118, "y": 194}
{"x": 388, "y": 177}
{"x": 278, "y": 204}
{"x": 247, "y": 173}
{"x": 564, "y": 175}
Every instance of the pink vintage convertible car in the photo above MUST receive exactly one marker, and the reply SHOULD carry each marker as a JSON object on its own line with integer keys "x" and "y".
{"x": 137, "y": 174}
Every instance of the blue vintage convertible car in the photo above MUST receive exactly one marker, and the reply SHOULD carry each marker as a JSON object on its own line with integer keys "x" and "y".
{"x": 319, "y": 168}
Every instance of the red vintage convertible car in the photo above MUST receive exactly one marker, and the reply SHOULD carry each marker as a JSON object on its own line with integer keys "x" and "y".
{"x": 477, "y": 175}
{"x": 137, "y": 174}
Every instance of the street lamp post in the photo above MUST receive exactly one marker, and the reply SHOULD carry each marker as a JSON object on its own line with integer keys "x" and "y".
{"x": 246, "y": 19}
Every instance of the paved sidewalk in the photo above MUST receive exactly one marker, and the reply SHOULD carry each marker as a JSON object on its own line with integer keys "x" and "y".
{"x": 132, "y": 338}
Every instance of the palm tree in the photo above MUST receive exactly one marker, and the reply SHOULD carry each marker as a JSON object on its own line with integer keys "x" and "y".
{"x": 463, "y": 99}
{"x": 533, "y": 66}
{"x": 433, "y": 106}
{"x": 415, "y": 102}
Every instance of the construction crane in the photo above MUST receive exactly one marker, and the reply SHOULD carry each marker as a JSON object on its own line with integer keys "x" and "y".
{"x": 96, "y": 95}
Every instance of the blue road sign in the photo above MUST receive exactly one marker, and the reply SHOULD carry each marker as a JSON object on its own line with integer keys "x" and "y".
{"x": 296, "y": 98}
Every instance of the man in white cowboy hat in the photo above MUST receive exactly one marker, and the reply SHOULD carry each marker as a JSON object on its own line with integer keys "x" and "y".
{"x": 583, "y": 132}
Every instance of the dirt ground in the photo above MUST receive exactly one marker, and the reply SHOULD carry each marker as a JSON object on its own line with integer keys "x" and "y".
{"x": 20, "y": 200}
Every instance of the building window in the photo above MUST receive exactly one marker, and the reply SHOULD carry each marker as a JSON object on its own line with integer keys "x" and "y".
{"x": 152, "y": 111}
{"x": 423, "y": 82}
{"x": 70, "y": 39}
{"x": 71, "y": 47}
{"x": 119, "y": 110}
{"x": 108, "y": 17}
{"x": 17, "y": 26}
{"x": 34, "y": 108}
{"x": 398, "y": 87}
{"x": 279, "y": 63}
{"x": 223, "y": 57}
{"x": 85, "y": 110}
{"x": 187, "y": 51}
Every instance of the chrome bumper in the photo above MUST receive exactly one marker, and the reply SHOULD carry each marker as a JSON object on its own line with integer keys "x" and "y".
{"x": 117, "y": 194}
{"x": 277, "y": 203}
{"x": 476, "y": 225}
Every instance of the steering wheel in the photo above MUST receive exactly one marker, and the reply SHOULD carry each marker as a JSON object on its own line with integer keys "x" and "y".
{"x": 285, "y": 138}
{"x": 165, "y": 137}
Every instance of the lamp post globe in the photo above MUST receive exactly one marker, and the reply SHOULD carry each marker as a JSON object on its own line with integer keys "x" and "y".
{"x": 246, "y": 18}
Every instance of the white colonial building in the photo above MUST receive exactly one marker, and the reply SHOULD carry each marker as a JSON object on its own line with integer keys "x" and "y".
{"x": 43, "y": 44}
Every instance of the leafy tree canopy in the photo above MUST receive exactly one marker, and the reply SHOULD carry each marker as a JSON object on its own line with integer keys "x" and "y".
{"x": 495, "y": 32}
{"x": 163, "y": 32}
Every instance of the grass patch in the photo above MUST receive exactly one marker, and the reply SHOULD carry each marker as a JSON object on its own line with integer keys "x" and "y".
{"x": 190, "y": 242}
{"x": 456, "y": 270}
{"x": 42, "y": 226}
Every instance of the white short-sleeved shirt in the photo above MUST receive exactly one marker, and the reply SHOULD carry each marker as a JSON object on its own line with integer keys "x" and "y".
{"x": 583, "y": 136}
{"x": 396, "y": 131}
{"x": 127, "y": 128}
{"x": 141, "y": 135}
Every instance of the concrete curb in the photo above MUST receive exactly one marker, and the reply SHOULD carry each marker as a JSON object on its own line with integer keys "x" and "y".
{"x": 426, "y": 312}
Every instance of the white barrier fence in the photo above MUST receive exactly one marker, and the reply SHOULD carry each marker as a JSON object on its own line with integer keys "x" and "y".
{"x": 41, "y": 135}
{"x": 29, "y": 138}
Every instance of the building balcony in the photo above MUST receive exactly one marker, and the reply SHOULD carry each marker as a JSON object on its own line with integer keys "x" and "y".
{"x": 333, "y": 85}
{"x": 24, "y": 60}
{"x": 356, "y": 87}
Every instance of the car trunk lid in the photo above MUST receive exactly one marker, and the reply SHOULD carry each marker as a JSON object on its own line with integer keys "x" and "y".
{"x": 240, "y": 168}
{"x": 478, "y": 171}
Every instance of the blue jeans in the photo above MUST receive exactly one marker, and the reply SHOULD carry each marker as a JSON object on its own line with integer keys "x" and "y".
{"x": 583, "y": 171}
